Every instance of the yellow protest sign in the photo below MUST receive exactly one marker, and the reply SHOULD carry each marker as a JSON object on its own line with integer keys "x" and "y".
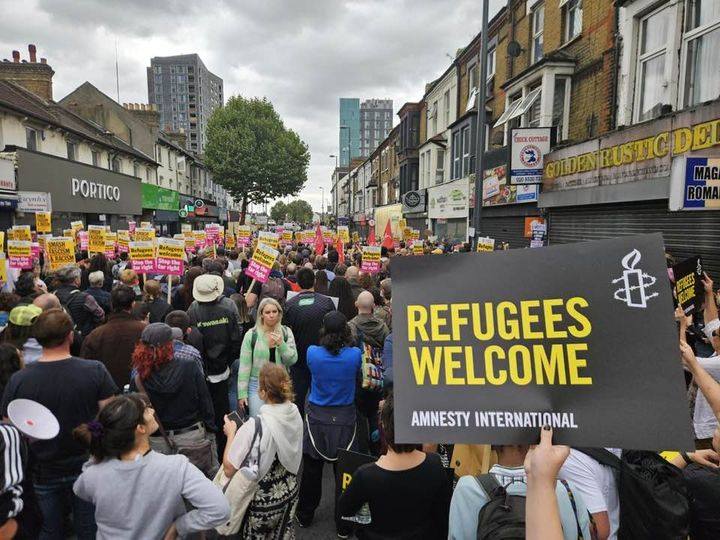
{"x": 355, "y": 237}
{"x": 486, "y": 244}
{"x": 22, "y": 232}
{"x": 200, "y": 238}
{"x": 69, "y": 232}
{"x": 3, "y": 268}
{"x": 2, "y": 240}
{"x": 43, "y": 222}
{"x": 20, "y": 253}
{"x": 230, "y": 240}
{"x": 76, "y": 226}
{"x": 123, "y": 240}
{"x": 109, "y": 248}
{"x": 262, "y": 262}
{"x": 371, "y": 259}
{"x": 142, "y": 254}
{"x": 287, "y": 237}
{"x": 185, "y": 228}
{"x": 170, "y": 256}
{"x": 144, "y": 234}
{"x": 418, "y": 248}
{"x": 96, "y": 238}
{"x": 270, "y": 239}
{"x": 402, "y": 223}
{"x": 145, "y": 225}
{"x": 61, "y": 251}
{"x": 344, "y": 233}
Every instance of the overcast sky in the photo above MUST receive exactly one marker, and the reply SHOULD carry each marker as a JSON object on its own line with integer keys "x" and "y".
{"x": 301, "y": 54}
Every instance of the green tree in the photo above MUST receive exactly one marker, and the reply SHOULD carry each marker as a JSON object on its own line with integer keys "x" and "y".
{"x": 300, "y": 211}
{"x": 252, "y": 154}
{"x": 278, "y": 212}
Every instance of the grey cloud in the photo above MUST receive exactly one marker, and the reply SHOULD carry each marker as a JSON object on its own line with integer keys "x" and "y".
{"x": 302, "y": 54}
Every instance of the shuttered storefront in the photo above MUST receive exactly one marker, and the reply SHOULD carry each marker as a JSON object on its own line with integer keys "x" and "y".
{"x": 686, "y": 233}
{"x": 506, "y": 229}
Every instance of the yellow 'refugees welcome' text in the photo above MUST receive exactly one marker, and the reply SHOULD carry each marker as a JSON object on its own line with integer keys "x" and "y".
{"x": 487, "y": 343}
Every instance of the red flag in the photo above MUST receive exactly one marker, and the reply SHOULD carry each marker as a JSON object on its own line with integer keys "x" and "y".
{"x": 387, "y": 237}
{"x": 340, "y": 249}
{"x": 371, "y": 236}
{"x": 319, "y": 242}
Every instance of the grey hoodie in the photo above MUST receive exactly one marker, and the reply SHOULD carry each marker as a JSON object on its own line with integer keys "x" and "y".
{"x": 370, "y": 329}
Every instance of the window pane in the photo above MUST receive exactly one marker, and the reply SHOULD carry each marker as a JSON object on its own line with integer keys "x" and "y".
{"x": 558, "y": 118}
{"x": 654, "y": 31}
{"x": 702, "y": 12}
{"x": 702, "y": 81}
{"x": 652, "y": 92}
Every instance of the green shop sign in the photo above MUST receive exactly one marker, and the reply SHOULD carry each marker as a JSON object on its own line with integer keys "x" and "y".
{"x": 159, "y": 198}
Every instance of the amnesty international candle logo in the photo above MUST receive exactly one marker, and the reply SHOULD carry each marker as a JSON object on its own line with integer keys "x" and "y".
{"x": 635, "y": 282}
{"x": 482, "y": 354}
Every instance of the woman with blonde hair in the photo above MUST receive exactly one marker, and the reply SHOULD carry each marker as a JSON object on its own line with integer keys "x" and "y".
{"x": 280, "y": 433}
{"x": 268, "y": 342}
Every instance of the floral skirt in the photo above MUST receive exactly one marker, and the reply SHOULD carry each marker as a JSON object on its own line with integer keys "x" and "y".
{"x": 270, "y": 513}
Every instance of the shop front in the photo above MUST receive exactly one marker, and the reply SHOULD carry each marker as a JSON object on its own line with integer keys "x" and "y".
{"x": 414, "y": 207}
{"x": 78, "y": 192}
{"x": 8, "y": 193}
{"x": 448, "y": 210}
{"x": 161, "y": 206}
{"x": 621, "y": 184}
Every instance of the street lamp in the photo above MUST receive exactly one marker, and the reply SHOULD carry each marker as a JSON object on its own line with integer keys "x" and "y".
{"x": 322, "y": 207}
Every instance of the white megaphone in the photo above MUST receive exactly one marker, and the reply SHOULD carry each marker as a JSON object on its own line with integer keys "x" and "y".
{"x": 33, "y": 419}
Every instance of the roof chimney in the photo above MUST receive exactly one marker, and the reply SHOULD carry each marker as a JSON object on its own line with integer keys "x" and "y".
{"x": 144, "y": 113}
{"x": 33, "y": 76}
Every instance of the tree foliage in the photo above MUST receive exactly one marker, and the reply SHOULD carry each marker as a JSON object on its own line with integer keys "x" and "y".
{"x": 252, "y": 154}
{"x": 298, "y": 211}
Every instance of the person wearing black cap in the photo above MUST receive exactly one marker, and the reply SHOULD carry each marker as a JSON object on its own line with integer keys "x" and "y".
{"x": 330, "y": 412}
{"x": 176, "y": 387}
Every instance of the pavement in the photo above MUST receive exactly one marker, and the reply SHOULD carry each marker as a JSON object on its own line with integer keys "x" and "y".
{"x": 323, "y": 526}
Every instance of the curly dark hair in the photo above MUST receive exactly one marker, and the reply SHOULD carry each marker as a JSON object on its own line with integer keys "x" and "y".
{"x": 334, "y": 342}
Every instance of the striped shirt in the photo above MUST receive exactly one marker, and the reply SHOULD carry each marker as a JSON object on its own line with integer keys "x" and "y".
{"x": 11, "y": 467}
{"x": 251, "y": 361}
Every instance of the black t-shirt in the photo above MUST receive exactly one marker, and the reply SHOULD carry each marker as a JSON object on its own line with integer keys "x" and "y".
{"x": 304, "y": 315}
{"x": 71, "y": 389}
{"x": 704, "y": 486}
{"x": 403, "y": 504}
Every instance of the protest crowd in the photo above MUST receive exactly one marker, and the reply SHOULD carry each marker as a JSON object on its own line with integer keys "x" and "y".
{"x": 203, "y": 395}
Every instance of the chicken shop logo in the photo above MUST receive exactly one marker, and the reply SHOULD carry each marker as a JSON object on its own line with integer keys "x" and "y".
{"x": 530, "y": 155}
{"x": 634, "y": 282}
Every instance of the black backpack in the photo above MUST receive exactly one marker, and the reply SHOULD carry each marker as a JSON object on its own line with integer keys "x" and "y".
{"x": 503, "y": 516}
{"x": 654, "y": 501}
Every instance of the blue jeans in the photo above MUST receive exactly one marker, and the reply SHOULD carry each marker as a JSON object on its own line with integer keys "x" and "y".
{"x": 254, "y": 401}
{"x": 53, "y": 498}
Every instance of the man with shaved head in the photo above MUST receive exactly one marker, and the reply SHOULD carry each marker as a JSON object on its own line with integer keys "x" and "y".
{"x": 352, "y": 274}
{"x": 47, "y": 301}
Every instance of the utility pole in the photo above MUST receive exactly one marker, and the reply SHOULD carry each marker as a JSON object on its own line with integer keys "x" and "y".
{"x": 480, "y": 150}
{"x": 322, "y": 208}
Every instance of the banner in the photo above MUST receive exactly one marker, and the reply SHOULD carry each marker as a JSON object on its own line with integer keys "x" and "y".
{"x": 689, "y": 290}
{"x": 61, "y": 251}
{"x": 43, "y": 222}
{"x": 347, "y": 463}
{"x": 269, "y": 239}
{"x": 96, "y": 238}
{"x": 20, "y": 254}
{"x": 170, "y": 256}
{"x": 485, "y": 355}
{"x": 370, "y": 259}
{"x": 486, "y": 244}
{"x": 262, "y": 262}
{"x": 142, "y": 254}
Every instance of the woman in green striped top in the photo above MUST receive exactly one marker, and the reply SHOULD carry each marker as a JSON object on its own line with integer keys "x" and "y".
{"x": 269, "y": 341}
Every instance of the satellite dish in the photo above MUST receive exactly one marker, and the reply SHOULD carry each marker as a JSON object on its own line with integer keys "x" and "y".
{"x": 514, "y": 49}
{"x": 33, "y": 419}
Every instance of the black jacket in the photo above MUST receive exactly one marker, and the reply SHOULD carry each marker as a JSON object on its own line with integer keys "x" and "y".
{"x": 84, "y": 310}
{"x": 222, "y": 334}
{"x": 179, "y": 395}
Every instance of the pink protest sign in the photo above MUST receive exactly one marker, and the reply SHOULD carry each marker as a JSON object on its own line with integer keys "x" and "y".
{"x": 84, "y": 240}
{"x": 131, "y": 227}
{"x": 35, "y": 249}
{"x": 19, "y": 254}
{"x": 370, "y": 259}
{"x": 142, "y": 255}
{"x": 262, "y": 262}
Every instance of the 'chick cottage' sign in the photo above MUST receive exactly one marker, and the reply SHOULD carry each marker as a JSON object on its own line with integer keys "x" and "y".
{"x": 527, "y": 148}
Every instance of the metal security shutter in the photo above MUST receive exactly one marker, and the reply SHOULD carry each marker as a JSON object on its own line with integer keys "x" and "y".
{"x": 685, "y": 233}
{"x": 510, "y": 229}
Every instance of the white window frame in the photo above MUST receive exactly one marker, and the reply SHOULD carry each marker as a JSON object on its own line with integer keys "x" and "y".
{"x": 439, "y": 166}
{"x": 465, "y": 136}
{"x": 687, "y": 37}
{"x": 491, "y": 61}
{"x": 538, "y": 10}
{"x": 566, "y": 7}
{"x": 565, "y": 133}
{"x": 31, "y": 131}
{"x": 447, "y": 105}
{"x": 641, "y": 59}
